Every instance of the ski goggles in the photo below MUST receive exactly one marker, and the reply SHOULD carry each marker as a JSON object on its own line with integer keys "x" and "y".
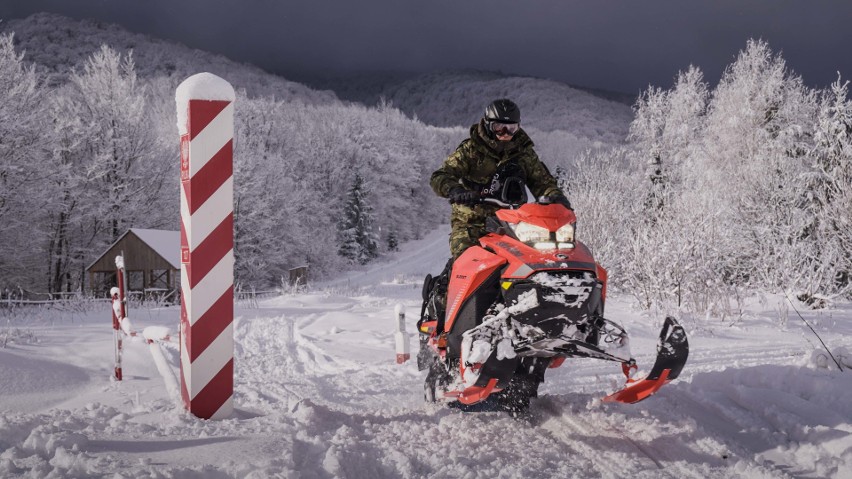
{"x": 504, "y": 128}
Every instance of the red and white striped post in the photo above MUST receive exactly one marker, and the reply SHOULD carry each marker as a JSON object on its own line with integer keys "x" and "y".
{"x": 119, "y": 312}
{"x": 403, "y": 348}
{"x": 205, "y": 108}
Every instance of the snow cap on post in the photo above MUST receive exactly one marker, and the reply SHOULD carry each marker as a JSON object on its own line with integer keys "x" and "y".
{"x": 201, "y": 86}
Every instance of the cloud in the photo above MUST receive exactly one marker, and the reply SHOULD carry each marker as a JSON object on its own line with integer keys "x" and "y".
{"x": 617, "y": 45}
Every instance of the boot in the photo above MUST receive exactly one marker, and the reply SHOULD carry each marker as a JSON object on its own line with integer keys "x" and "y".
{"x": 435, "y": 296}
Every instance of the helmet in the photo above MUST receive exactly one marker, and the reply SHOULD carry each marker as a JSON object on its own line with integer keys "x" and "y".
{"x": 503, "y": 111}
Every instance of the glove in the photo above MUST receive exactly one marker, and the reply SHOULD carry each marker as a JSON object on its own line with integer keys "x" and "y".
{"x": 561, "y": 200}
{"x": 461, "y": 196}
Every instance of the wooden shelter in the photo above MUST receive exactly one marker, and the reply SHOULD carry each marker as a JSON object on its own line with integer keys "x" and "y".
{"x": 151, "y": 259}
{"x": 299, "y": 276}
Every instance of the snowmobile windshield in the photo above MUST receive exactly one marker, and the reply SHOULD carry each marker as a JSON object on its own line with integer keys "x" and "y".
{"x": 513, "y": 191}
{"x": 543, "y": 226}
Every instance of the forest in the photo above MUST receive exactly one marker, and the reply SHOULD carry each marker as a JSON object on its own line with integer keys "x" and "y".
{"x": 731, "y": 191}
{"x": 716, "y": 193}
{"x": 87, "y": 159}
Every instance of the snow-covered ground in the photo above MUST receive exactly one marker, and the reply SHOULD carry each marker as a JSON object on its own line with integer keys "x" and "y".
{"x": 318, "y": 394}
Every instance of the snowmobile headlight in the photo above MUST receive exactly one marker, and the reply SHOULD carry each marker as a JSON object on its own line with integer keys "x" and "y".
{"x": 565, "y": 234}
{"x": 546, "y": 245}
{"x": 529, "y": 233}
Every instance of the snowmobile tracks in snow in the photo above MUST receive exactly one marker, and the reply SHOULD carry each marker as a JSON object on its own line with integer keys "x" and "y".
{"x": 285, "y": 360}
{"x": 625, "y": 457}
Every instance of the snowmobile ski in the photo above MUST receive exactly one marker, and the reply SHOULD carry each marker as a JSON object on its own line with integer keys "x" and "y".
{"x": 672, "y": 352}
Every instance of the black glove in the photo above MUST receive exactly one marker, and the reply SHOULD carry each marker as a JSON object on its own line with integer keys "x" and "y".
{"x": 561, "y": 200}
{"x": 462, "y": 196}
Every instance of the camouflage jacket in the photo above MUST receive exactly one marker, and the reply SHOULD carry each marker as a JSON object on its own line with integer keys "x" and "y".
{"x": 478, "y": 158}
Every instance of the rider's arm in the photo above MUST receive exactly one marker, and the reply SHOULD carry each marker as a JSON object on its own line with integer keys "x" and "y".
{"x": 539, "y": 180}
{"x": 455, "y": 167}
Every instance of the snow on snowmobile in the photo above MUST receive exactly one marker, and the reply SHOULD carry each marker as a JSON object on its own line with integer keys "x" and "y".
{"x": 526, "y": 299}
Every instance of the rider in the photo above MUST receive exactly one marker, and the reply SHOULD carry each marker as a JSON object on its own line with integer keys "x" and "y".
{"x": 498, "y": 148}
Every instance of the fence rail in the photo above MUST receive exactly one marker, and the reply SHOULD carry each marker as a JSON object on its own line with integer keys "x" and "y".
{"x": 31, "y": 302}
{"x": 249, "y": 297}
{"x": 242, "y": 295}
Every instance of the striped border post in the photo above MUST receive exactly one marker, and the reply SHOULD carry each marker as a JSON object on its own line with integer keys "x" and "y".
{"x": 403, "y": 348}
{"x": 205, "y": 108}
{"x": 119, "y": 311}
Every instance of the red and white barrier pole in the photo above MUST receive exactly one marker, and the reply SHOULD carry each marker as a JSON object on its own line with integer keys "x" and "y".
{"x": 205, "y": 108}
{"x": 154, "y": 336}
{"x": 403, "y": 348}
{"x": 119, "y": 312}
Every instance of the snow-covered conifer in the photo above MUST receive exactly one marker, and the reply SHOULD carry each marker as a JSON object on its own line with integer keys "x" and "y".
{"x": 392, "y": 241}
{"x": 357, "y": 241}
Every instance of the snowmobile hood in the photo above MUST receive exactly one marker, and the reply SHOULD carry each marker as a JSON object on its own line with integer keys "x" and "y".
{"x": 551, "y": 216}
{"x": 525, "y": 260}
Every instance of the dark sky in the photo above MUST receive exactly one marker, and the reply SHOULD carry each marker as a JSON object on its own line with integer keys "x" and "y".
{"x": 615, "y": 45}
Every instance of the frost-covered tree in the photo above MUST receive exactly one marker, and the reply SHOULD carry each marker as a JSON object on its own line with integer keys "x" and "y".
{"x": 267, "y": 212}
{"x": 111, "y": 105}
{"x": 685, "y": 122}
{"x": 747, "y": 194}
{"x": 833, "y": 135}
{"x": 646, "y": 131}
{"x": 104, "y": 140}
{"x": 663, "y": 130}
{"x": 24, "y": 181}
{"x": 357, "y": 241}
{"x": 294, "y": 165}
{"x": 758, "y": 128}
{"x": 20, "y": 105}
{"x": 666, "y": 227}
{"x": 826, "y": 192}
{"x": 562, "y": 175}
{"x": 110, "y": 169}
{"x": 606, "y": 196}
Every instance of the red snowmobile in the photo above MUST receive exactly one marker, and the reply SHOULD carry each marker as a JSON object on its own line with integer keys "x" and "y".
{"x": 524, "y": 300}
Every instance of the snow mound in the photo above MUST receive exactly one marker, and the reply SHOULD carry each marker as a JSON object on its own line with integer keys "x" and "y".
{"x": 318, "y": 393}
{"x": 31, "y": 381}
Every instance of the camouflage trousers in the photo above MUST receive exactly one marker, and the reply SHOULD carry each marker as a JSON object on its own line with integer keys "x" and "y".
{"x": 467, "y": 226}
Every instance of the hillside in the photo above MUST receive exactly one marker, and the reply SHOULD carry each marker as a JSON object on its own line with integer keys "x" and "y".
{"x": 306, "y": 144}
{"x": 57, "y": 44}
{"x": 458, "y": 98}
{"x": 570, "y": 119}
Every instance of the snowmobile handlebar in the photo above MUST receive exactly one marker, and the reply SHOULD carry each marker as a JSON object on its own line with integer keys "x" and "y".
{"x": 544, "y": 200}
{"x": 495, "y": 201}
{"x": 511, "y": 206}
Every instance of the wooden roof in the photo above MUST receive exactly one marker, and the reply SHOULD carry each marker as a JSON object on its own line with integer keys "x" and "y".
{"x": 143, "y": 249}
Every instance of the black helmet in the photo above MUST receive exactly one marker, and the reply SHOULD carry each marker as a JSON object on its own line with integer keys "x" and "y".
{"x": 503, "y": 111}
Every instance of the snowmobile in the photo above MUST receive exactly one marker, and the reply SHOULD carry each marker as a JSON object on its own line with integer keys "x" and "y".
{"x": 524, "y": 300}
